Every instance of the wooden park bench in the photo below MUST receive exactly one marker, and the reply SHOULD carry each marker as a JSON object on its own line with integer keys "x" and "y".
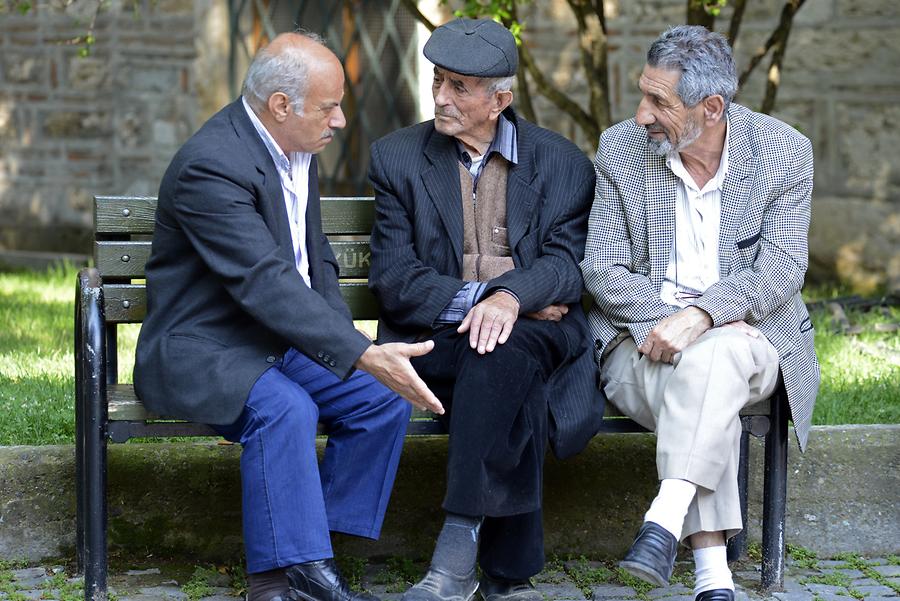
{"x": 113, "y": 293}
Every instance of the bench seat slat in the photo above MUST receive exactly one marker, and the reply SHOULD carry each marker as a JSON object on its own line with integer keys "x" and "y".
{"x": 125, "y": 406}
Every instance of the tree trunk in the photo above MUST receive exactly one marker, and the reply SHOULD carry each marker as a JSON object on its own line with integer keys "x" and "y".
{"x": 698, "y": 15}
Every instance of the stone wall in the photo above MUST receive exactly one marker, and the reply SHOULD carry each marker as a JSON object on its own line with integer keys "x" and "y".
{"x": 71, "y": 127}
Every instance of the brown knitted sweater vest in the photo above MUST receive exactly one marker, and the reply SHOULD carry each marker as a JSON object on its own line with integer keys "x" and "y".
{"x": 486, "y": 252}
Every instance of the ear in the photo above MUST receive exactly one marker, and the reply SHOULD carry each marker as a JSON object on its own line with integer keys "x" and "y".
{"x": 713, "y": 107}
{"x": 279, "y": 106}
{"x": 501, "y": 101}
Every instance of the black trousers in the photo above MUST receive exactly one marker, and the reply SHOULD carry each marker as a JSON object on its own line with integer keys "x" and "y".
{"x": 498, "y": 422}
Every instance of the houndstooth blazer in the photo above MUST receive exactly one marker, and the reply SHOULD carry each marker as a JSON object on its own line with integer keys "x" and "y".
{"x": 762, "y": 243}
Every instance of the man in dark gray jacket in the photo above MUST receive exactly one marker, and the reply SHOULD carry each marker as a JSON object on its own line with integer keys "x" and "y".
{"x": 481, "y": 222}
{"x": 246, "y": 328}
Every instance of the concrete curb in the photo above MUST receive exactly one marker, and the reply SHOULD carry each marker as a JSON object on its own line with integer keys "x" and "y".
{"x": 183, "y": 500}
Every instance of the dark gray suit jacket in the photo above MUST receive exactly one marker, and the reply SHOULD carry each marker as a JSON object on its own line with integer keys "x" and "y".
{"x": 224, "y": 298}
{"x": 417, "y": 249}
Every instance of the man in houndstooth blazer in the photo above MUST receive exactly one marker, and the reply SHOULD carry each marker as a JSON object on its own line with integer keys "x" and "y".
{"x": 696, "y": 253}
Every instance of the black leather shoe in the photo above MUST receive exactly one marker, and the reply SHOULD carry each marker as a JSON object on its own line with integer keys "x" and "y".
{"x": 503, "y": 590}
{"x": 321, "y": 581}
{"x": 652, "y": 554}
{"x": 716, "y": 594}
{"x": 438, "y": 585}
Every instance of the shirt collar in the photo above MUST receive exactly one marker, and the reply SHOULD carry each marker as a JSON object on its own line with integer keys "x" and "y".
{"x": 505, "y": 143}
{"x": 281, "y": 160}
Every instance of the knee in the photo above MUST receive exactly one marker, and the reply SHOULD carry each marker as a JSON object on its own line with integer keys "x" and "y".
{"x": 293, "y": 413}
{"x": 718, "y": 349}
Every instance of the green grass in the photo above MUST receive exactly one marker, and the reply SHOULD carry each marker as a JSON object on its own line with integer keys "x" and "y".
{"x": 860, "y": 373}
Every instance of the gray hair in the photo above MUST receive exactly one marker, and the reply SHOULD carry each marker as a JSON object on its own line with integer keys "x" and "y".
{"x": 704, "y": 59}
{"x": 500, "y": 84}
{"x": 285, "y": 72}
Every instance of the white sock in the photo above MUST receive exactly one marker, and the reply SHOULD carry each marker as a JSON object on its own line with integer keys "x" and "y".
{"x": 671, "y": 505}
{"x": 711, "y": 570}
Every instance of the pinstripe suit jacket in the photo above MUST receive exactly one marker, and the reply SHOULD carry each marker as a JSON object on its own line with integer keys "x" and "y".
{"x": 762, "y": 243}
{"x": 417, "y": 249}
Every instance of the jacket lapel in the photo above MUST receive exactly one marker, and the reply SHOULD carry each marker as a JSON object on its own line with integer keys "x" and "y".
{"x": 441, "y": 180}
{"x": 659, "y": 194}
{"x": 314, "y": 226}
{"x": 272, "y": 207}
{"x": 521, "y": 197}
{"x": 735, "y": 188}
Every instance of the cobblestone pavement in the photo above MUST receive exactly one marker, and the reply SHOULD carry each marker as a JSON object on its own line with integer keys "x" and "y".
{"x": 808, "y": 579}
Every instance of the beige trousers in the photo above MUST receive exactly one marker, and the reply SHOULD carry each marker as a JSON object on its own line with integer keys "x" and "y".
{"x": 693, "y": 407}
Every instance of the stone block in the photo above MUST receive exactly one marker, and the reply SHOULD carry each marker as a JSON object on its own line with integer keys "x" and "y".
{"x": 75, "y": 124}
{"x": 88, "y": 73}
{"x": 839, "y": 54}
{"x": 866, "y": 140}
{"x": 611, "y": 591}
{"x": 22, "y": 68}
{"x": 889, "y": 571}
{"x": 869, "y": 8}
{"x": 875, "y": 590}
{"x": 142, "y": 78}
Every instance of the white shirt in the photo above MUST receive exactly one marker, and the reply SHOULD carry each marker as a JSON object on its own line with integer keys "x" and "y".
{"x": 293, "y": 170}
{"x": 694, "y": 258}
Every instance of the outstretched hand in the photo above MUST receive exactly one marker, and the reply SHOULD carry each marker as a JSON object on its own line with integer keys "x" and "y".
{"x": 389, "y": 364}
{"x": 491, "y": 321}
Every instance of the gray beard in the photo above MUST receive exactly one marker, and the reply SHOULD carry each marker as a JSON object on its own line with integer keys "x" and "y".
{"x": 665, "y": 148}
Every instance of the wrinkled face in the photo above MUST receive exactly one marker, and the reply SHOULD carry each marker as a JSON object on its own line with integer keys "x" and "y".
{"x": 312, "y": 130}
{"x": 462, "y": 104}
{"x": 671, "y": 126}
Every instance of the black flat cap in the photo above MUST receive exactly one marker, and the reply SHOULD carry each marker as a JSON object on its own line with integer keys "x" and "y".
{"x": 476, "y": 47}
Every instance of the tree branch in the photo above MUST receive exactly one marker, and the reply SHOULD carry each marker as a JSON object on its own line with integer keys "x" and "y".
{"x": 782, "y": 33}
{"x": 593, "y": 44}
{"x": 736, "y": 18}
{"x": 770, "y": 43}
{"x": 562, "y": 102}
{"x": 413, "y": 8}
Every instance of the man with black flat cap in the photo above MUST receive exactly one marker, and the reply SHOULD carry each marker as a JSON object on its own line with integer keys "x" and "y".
{"x": 480, "y": 225}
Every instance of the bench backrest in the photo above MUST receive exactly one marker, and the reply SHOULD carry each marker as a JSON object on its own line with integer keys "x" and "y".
{"x": 124, "y": 228}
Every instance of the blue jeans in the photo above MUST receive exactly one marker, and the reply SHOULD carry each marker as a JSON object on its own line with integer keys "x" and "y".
{"x": 290, "y": 500}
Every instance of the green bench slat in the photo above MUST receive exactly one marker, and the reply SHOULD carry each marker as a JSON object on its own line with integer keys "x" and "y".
{"x": 127, "y": 303}
{"x": 135, "y": 215}
{"x": 127, "y": 258}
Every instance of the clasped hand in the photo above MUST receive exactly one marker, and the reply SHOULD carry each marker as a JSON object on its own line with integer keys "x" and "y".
{"x": 674, "y": 333}
{"x": 491, "y": 321}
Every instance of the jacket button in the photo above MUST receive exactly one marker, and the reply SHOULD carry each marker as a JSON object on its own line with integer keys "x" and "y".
{"x": 326, "y": 358}
{"x": 320, "y": 354}
{"x": 270, "y": 359}
{"x": 331, "y": 363}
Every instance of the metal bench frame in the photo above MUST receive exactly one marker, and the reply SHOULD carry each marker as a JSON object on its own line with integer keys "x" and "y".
{"x": 106, "y": 410}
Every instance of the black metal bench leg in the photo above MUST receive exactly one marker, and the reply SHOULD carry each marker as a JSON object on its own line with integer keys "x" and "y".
{"x": 79, "y": 437}
{"x": 95, "y": 560}
{"x": 737, "y": 546}
{"x": 775, "y": 497}
{"x": 91, "y": 459}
